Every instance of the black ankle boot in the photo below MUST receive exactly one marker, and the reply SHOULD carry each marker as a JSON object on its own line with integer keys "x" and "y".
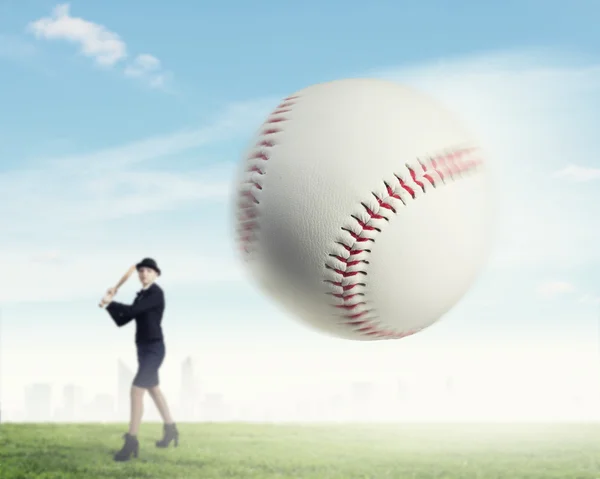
{"x": 170, "y": 434}
{"x": 131, "y": 447}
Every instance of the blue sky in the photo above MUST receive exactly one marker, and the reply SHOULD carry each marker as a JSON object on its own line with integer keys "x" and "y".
{"x": 104, "y": 160}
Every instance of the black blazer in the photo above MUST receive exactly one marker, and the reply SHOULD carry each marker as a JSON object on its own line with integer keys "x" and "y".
{"x": 147, "y": 310}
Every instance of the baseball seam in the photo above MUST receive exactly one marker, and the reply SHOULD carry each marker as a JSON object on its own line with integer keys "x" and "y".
{"x": 249, "y": 194}
{"x": 347, "y": 263}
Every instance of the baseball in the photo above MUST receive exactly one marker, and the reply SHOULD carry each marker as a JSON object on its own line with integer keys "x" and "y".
{"x": 364, "y": 209}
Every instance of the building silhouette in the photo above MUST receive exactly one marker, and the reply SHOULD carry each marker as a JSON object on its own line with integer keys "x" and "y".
{"x": 188, "y": 391}
{"x": 402, "y": 390}
{"x": 38, "y": 402}
{"x": 124, "y": 381}
{"x": 450, "y": 385}
{"x": 72, "y": 403}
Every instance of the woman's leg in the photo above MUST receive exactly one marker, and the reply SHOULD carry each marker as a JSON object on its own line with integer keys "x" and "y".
{"x": 137, "y": 409}
{"x": 131, "y": 446}
{"x": 154, "y": 388}
{"x": 170, "y": 428}
{"x": 161, "y": 404}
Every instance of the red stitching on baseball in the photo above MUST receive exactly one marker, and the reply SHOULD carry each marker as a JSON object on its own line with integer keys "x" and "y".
{"x": 434, "y": 170}
{"x": 248, "y": 200}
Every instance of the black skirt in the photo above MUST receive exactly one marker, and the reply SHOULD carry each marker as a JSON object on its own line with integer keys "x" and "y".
{"x": 150, "y": 357}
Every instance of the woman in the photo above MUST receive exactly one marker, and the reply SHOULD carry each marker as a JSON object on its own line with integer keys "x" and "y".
{"x": 147, "y": 311}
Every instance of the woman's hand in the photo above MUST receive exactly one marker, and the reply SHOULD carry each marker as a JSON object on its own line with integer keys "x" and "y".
{"x": 107, "y": 297}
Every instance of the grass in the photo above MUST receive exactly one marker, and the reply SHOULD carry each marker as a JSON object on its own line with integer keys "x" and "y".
{"x": 249, "y": 451}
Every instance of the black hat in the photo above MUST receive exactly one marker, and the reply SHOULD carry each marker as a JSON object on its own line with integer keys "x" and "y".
{"x": 148, "y": 263}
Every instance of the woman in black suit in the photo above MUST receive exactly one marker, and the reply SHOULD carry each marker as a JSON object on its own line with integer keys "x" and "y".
{"x": 147, "y": 311}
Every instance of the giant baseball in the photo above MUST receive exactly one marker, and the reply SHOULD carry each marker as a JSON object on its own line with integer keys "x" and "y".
{"x": 364, "y": 209}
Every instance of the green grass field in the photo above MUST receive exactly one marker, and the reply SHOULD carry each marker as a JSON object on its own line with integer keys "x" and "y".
{"x": 248, "y": 451}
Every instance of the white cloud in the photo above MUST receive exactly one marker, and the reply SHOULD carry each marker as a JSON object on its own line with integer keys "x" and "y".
{"x": 75, "y": 274}
{"x": 554, "y": 288}
{"x": 148, "y": 68}
{"x": 47, "y": 257}
{"x": 96, "y": 41}
{"x": 143, "y": 64}
{"x": 61, "y": 208}
{"x": 551, "y": 289}
{"x": 578, "y": 173}
{"x": 112, "y": 183}
{"x": 76, "y": 198}
{"x": 235, "y": 119}
{"x": 589, "y": 299}
{"x": 57, "y": 211}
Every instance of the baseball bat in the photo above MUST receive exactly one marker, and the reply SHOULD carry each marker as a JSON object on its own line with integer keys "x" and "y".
{"x": 122, "y": 280}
